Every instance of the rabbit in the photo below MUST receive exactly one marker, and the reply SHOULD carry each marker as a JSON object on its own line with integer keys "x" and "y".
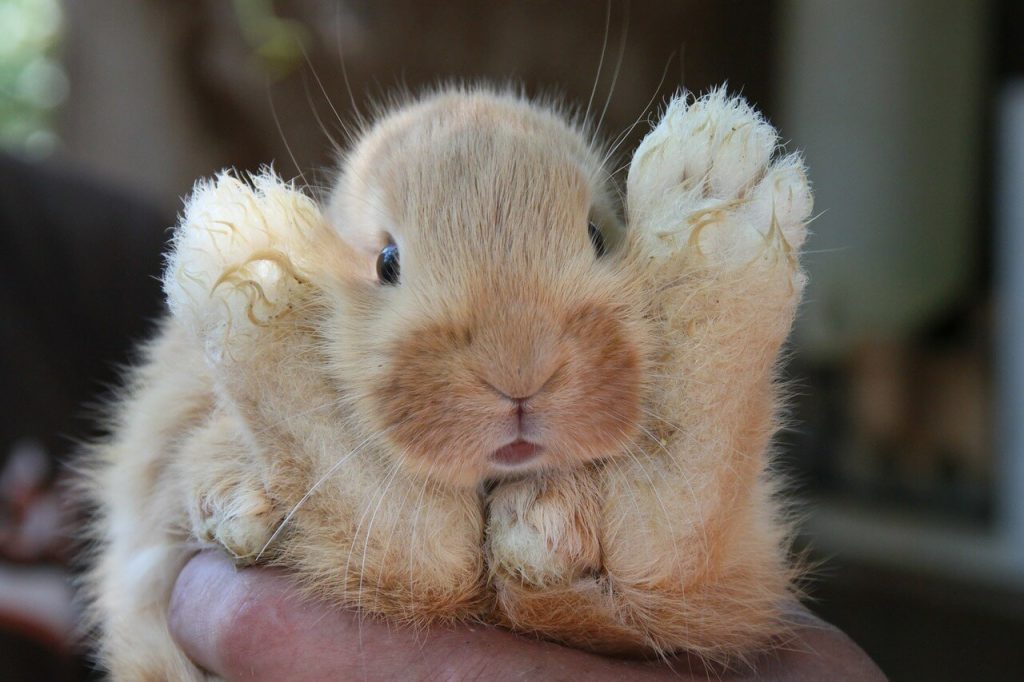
{"x": 460, "y": 387}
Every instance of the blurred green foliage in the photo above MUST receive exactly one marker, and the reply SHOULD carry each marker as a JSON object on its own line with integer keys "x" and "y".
{"x": 277, "y": 42}
{"x": 32, "y": 81}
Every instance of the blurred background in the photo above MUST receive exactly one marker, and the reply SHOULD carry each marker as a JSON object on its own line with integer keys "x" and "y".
{"x": 907, "y": 444}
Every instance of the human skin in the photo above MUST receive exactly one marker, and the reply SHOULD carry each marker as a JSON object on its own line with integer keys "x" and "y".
{"x": 251, "y": 624}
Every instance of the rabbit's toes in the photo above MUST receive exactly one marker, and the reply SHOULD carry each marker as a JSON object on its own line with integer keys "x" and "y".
{"x": 542, "y": 532}
{"x": 704, "y": 182}
{"x": 243, "y": 523}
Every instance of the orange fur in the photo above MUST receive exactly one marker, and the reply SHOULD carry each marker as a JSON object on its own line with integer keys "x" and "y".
{"x": 297, "y": 412}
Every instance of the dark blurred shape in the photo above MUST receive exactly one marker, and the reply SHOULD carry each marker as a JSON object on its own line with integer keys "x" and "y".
{"x": 77, "y": 289}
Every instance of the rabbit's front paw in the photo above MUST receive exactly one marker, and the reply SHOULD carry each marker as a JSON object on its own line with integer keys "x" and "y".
{"x": 704, "y": 182}
{"x": 542, "y": 532}
{"x": 239, "y": 518}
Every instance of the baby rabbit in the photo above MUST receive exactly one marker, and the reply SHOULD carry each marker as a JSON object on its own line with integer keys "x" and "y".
{"x": 462, "y": 389}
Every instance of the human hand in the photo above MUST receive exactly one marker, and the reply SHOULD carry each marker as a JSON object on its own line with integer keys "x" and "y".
{"x": 251, "y": 624}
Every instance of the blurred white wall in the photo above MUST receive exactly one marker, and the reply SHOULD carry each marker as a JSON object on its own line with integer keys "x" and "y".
{"x": 1009, "y": 212}
{"x": 885, "y": 99}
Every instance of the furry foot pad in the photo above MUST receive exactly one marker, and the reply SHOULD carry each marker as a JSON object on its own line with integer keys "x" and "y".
{"x": 704, "y": 181}
{"x": 238, "y": 256}
{"x": 540, "y": 531}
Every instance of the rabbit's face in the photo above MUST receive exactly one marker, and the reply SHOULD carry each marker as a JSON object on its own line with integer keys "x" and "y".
{"x": 494, "y": 329}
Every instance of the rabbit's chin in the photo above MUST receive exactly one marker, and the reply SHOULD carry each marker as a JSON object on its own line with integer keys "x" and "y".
{"x": 513, "y": 460}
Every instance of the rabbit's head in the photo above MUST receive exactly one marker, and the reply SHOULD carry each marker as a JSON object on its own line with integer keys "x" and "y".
{"x": 494, "y": 327}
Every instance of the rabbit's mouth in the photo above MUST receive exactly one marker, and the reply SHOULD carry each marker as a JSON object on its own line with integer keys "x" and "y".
{"x": 516, "y": 453}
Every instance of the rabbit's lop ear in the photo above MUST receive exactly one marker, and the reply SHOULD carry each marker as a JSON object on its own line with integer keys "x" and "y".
{"x": 240, "y": 256}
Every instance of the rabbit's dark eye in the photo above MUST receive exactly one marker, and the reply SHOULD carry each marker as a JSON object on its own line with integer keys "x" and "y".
{"x": 387, "y": 265}
{"x": 596, "y": 239}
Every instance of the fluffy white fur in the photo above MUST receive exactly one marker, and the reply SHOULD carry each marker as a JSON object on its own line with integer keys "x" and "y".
{"x": 235, "y": 258}
{"x": 297, "y": 412}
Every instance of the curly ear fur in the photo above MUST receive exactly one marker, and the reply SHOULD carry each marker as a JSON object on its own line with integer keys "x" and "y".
{"x": 296, "y": 412}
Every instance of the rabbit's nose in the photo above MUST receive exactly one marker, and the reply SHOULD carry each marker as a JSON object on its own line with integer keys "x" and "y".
{"x": 517, "y": 349}
{"x": 518, "y": 397}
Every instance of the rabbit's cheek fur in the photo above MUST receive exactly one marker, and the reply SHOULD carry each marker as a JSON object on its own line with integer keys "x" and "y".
{"x": 439, "y": 416}
{"x": 593, "y": 405}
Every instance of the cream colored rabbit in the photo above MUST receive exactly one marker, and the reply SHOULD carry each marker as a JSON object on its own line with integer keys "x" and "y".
{"x": 463, "y": 390}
